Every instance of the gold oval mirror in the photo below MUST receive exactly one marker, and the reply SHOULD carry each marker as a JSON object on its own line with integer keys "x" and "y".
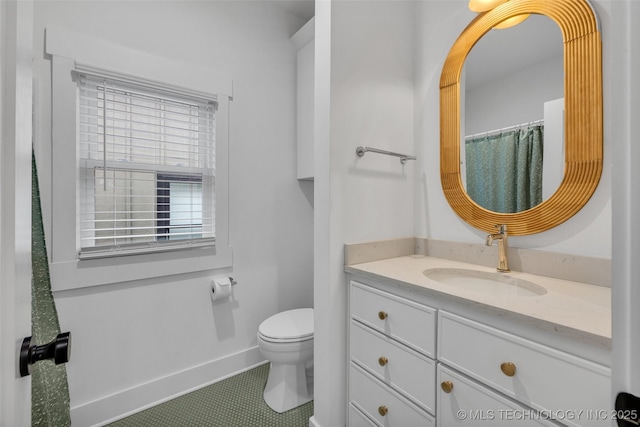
{"x": 583, "y": 117}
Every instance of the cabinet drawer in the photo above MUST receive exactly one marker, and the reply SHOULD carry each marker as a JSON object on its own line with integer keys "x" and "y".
{"x": 372, "y": 398}
{"x": 358, "y": 419}
{"x": 544, "y": 378}
{"x": 411, "y": 323}
{"x": 469, "y": 404}
{"x": 410, "y": 372}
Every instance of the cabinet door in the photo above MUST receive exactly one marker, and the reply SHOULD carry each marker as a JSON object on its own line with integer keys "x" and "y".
{"x": 462, "y": 401}
{"x": 303, "y": 40}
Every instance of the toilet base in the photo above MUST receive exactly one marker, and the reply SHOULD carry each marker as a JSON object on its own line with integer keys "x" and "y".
{"x": 288, "y": 386}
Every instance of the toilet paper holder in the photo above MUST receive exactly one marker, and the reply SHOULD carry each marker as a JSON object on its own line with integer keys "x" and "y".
{"x": 221, "y": 287}
{"x": 232, "y": 281}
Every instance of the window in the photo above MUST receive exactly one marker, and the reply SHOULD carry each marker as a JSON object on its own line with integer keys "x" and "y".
{"x": 83, "y": 70}
{"x": 146, "y": 169}
{"x": 179, "y": 196}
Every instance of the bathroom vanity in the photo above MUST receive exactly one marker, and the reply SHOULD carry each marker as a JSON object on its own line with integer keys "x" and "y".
{"x": 439, "y": 342}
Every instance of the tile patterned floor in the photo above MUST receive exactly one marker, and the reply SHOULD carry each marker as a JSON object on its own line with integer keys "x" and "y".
{"x": 234, "y": 402}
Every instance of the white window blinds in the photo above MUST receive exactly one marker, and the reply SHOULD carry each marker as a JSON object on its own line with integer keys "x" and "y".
{"x": 146, "y": 169}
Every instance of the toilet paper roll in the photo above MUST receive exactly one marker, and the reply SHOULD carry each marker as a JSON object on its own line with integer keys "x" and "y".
{"x": 220, "y": 288}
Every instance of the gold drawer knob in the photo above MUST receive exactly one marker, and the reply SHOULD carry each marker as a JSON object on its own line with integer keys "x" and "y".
{"x": 508, "y": 368}
{"x": 382, "y": 410}
{"x": 382, "y": 315}
{"x": 383, "y": 361}
{"x": 446, "y": 386}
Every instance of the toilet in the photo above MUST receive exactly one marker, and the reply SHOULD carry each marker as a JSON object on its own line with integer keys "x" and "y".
{"x": 286, "y": 340}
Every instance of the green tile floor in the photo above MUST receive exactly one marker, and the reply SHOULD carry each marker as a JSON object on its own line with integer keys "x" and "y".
{"x": 233, "y": 402}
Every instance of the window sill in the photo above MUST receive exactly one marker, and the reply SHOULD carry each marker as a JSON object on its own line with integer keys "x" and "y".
{"x": 85, "y": 273}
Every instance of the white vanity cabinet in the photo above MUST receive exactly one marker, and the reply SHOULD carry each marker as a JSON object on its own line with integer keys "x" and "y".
{"x": 391, "y": 368}
{"x": 421, "y": 361}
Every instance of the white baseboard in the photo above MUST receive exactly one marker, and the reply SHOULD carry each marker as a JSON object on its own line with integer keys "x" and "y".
{"x": 313, "y": 422}
{"x": 127, "y": 402}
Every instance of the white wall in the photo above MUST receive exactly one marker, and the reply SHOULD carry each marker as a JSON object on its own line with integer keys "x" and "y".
{"x": 372, "y": 105}
{"x": 141, "y": 341}
{"x": 364, "y": 96}
{"x": 438, "y": 23}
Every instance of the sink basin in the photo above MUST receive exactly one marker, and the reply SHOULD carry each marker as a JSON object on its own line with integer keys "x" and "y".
{"x": 485, "y": 282}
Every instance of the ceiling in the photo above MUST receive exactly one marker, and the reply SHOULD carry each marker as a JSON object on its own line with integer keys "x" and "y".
{"x": 304, "y": 9}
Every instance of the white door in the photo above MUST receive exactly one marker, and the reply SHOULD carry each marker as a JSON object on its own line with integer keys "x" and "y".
{"x": 16, "y": 51}
{"x": 625, "y": 127}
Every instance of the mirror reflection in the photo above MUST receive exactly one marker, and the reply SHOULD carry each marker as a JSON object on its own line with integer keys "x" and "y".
{"x": 512, "y": 116}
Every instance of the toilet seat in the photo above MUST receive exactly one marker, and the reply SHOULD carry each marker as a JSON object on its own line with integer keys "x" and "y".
{"x": 288, "y": 326}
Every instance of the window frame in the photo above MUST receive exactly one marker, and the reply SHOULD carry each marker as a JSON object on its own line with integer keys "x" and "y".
{"x": 69, "y": 272}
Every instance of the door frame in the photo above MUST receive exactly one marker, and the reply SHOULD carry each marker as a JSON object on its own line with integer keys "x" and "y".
{"x": 16, "y": 87}
{"x": 625, "y": 128}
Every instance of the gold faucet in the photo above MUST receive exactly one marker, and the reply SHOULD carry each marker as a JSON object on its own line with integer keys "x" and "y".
{"x": 503, "y": 246}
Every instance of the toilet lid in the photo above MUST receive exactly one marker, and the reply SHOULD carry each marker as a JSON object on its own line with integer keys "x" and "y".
{"x": 288, "y": 325}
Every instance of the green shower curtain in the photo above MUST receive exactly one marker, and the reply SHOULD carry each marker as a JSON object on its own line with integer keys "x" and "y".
{"x": 49, "y": 387}
{"x": 504, "y": 171}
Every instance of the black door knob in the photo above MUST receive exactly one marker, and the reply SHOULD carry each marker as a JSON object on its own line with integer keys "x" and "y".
{"x": 627, "y": 410}
{"x": 59, "y": 350}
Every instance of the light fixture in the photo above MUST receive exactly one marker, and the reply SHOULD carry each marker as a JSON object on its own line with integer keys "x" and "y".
{"x": 510, "y": 22}
{"x": 484, "y": 5}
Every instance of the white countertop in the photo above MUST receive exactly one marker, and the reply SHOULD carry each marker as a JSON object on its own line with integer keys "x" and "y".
{"x": 578, "y": 306}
